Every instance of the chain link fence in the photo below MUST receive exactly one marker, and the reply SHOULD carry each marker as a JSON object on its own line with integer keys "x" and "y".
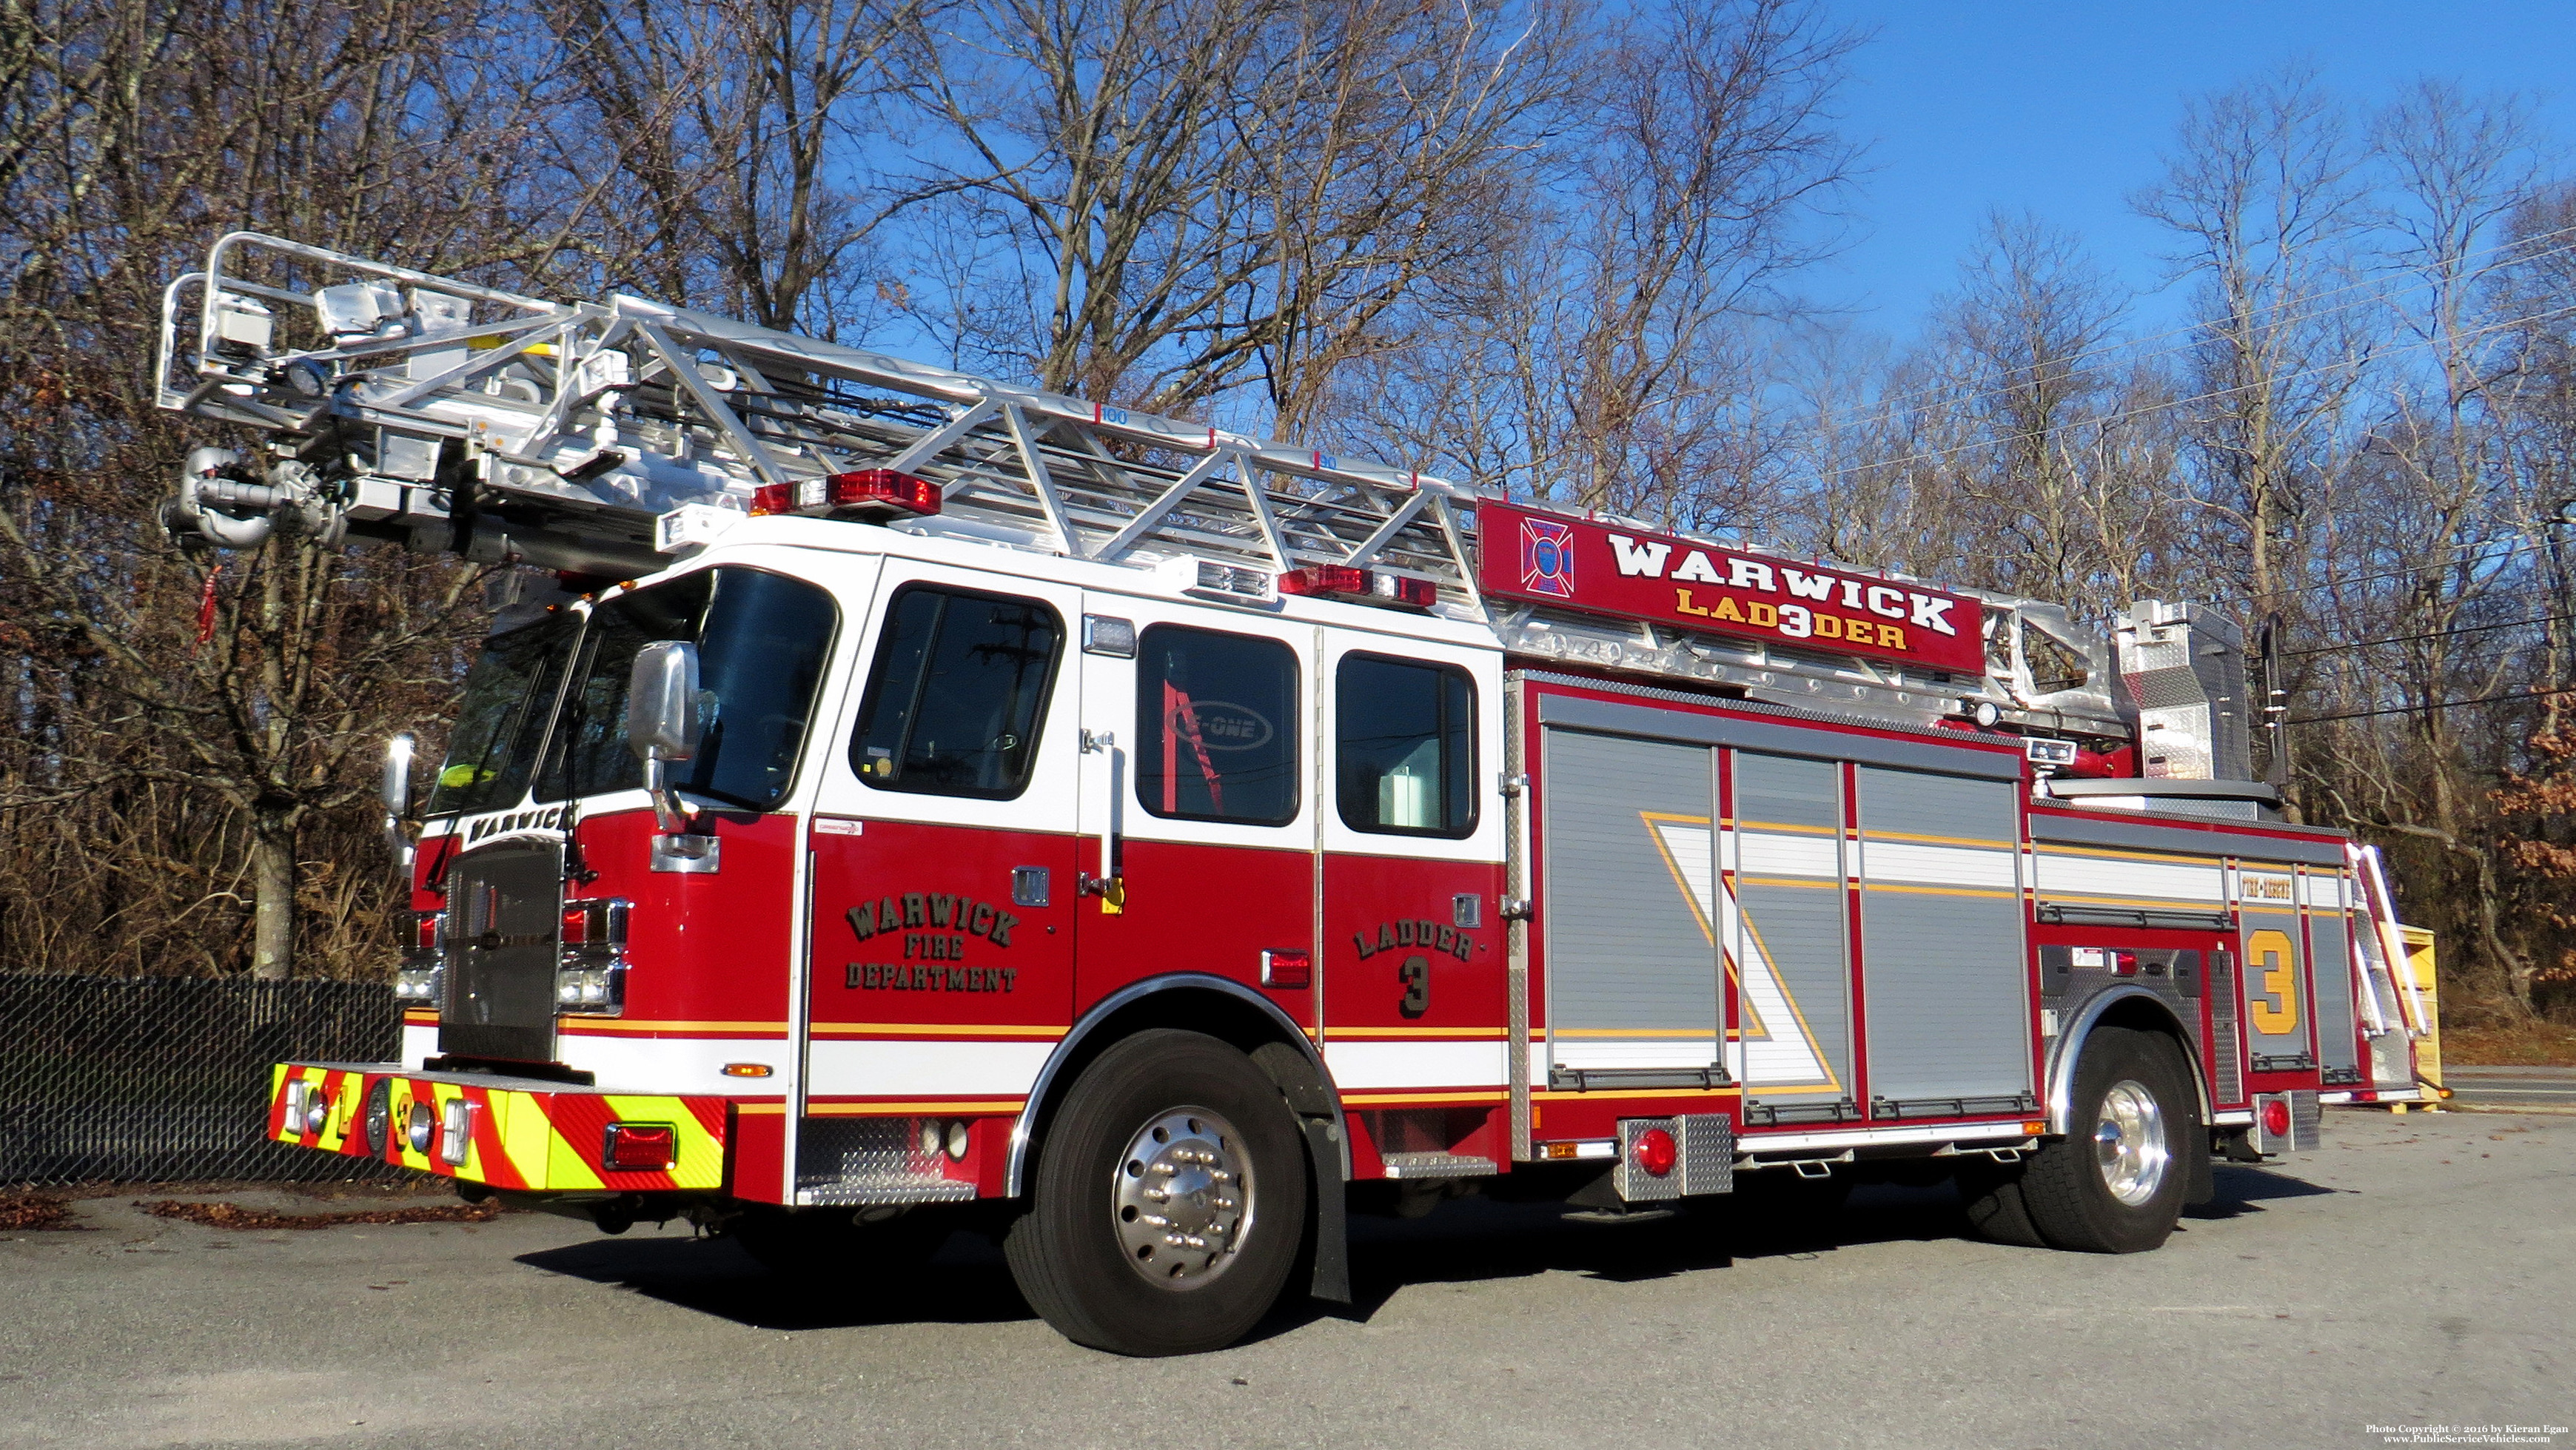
{"x": 124, "y": 1079}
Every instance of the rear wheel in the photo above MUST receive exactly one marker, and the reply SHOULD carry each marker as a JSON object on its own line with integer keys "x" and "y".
{"x": 1168, "y": 1203}
{"x": 2114, "y": 1184}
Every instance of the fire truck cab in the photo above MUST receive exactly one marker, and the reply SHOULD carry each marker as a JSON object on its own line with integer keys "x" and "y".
{"x": 896, "y": 802}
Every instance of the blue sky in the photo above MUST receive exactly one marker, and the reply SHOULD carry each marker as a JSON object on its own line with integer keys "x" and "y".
{"x": 2063, "y": 109}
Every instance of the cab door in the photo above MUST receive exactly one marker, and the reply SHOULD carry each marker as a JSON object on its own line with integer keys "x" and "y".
{"x": 942, "y": 843}
{"x": 1199, "y": 834}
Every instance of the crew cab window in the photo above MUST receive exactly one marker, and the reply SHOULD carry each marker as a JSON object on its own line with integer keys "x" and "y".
{"x": 1405, "y": 746}
{"x": 955, "y": 698}
{"x": 1216, "y": 717}
{"x": 762, "y": 641}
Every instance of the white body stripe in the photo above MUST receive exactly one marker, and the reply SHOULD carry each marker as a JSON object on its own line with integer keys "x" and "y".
{"x": 881, "y": 1067}
{"x": 2160, "y": 880}
{"x": 679, "y": 1064}
{"x": 1937, "y": 865}
{"x": 1362, "y": 1065}
{"x": 1630, "y": 1051}
{"x": 1766, "y": 853}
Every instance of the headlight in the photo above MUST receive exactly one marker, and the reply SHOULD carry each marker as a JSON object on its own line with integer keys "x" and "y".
{"x": 459, "y": 1132}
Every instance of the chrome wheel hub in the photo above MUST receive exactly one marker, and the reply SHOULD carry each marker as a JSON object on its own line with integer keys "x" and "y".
{"x": 2129, "y": 1143}
{"x": 1181, "y": 1198}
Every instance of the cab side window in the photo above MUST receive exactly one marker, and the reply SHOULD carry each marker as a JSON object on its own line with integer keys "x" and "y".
{"x": 1405, "y": 747}
{"x": 1216, "y": 718}
{"x": 957, "y": 693}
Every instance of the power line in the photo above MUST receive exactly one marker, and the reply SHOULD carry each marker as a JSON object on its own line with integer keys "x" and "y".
{"x": 2216, "y": 393}
{"x": 1889, "y": 408}
{"x": 2333, "y": 584}
{"x": 2430, "y": 634}
{"x": 2440, "y": 705}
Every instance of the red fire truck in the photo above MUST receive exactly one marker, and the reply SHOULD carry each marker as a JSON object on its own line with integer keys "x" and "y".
{"x": 891, "y": 800}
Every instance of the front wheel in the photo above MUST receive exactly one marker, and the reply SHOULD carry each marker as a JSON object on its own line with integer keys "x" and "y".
{"x": 1169, "y": 1200}
{"x": 2114, "y": 1184}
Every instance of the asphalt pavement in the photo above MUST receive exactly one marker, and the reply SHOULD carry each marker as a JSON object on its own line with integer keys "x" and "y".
{"x": 2513, "y": 1087}
{"x": 2418, "y": 1271}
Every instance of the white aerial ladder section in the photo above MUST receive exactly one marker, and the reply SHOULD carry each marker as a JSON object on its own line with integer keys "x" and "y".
{"x": 610, "y": 438}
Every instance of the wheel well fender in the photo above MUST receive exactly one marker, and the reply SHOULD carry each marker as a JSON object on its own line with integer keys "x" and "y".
{"x": 2124, "y": 1006}
{"x": 1198, "y": 1002}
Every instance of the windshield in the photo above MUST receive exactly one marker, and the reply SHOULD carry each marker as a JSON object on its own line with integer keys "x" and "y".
{"x": 508, "y": 695}
{"x": 762, "y": 641}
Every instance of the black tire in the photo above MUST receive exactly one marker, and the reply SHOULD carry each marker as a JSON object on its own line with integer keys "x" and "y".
{"x": 2093, "y": 1194}
{"x": 1071, "y": 1250}
{"x": 835, "y": 1246}
{"x": 1990, "y": 1194}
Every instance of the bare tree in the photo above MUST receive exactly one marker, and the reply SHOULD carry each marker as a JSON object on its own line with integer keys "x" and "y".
{"x": 1616, "y": 350}
{"x": 1193, "y": 196}
{"x": 137, "y": 134}
{"x": 737, "y": 135}
{"x": 2265, "y": 196}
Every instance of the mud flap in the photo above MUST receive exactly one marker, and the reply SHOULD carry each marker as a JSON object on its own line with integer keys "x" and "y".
{"x": 1332, "y": 1280}
{"x": 2200, "y": 1177}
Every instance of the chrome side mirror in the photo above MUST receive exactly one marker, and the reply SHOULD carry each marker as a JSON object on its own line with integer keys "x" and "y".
{"x": 395, "y": 792}
{"x": 662, "y": 723}
{"x": 662, "y": 702}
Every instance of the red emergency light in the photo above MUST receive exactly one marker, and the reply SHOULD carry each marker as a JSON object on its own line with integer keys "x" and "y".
{"x": 641, "y": 1147}
{"x": 868, "y": 491}
{"x": 1360, "y": 586}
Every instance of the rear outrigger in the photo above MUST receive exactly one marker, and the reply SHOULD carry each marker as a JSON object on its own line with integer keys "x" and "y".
{"x": 891, "y": 800}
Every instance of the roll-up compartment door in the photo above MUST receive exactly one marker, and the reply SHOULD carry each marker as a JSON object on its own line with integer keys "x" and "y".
{"x": 1946, "y": 989}
{"x": 1630, "y": 865}
{"x": 2330, "y": 952}
{"x": 2274, "y": 971}
{"x": 1787, "y": 941}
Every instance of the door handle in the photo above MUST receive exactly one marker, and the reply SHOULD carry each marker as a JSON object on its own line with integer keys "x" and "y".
{"x": 1111, "y": 884}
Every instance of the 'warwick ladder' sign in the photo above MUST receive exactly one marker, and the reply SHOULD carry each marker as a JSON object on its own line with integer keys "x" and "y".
{"x": 1583, "y": 564}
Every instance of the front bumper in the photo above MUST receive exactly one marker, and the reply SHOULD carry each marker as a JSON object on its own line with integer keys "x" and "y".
{"x": 521, "y": 1134}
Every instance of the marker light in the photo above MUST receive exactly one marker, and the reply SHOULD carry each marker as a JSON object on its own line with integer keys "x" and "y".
{"x": 957, "y": 1140}
{"x": 421, "y": 1128}
{"x": 1657, "y": 1152}
{"x": 2276, "y": 1117}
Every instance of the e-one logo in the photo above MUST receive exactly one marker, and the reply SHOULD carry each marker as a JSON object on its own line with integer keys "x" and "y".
{"x": 1221, "y": 725}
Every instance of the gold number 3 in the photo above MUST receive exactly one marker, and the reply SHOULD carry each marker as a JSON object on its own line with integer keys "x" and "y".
{"x": 2278, "y": 1012}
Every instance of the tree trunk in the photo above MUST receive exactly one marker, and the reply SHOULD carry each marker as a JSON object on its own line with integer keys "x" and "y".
{"x": 272, "y": 864}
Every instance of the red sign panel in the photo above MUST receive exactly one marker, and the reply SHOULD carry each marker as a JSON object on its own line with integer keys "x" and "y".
{"x": 1601, "y": 569}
